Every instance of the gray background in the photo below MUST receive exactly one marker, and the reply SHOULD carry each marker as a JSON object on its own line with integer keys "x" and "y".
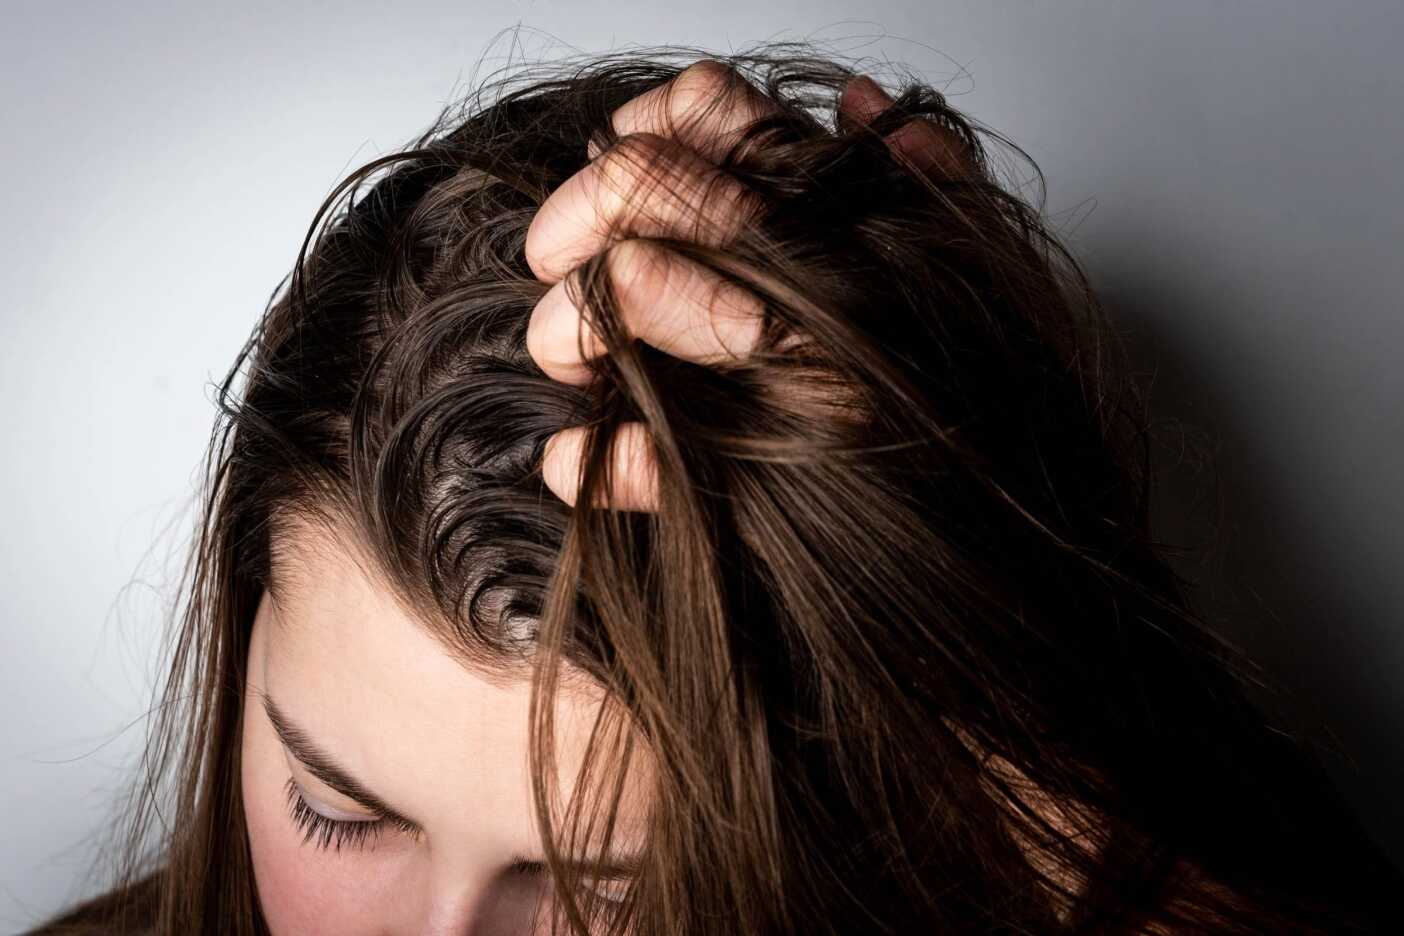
{"x": 1229, "y": 172}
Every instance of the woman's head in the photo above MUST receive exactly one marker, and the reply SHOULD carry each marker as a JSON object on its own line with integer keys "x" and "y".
{"x": 896, "y": 657}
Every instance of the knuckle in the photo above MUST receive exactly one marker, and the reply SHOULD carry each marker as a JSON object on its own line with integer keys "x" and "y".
{"x": 639, "y": 271}
{"x": 648, "y": 178}
{"x": 632, "y": 147}
{"x": 698, "y": 88}
{"x": 705, "y": 77}
{"x": 630, "y": 158}
{"x": 619, "y": 172}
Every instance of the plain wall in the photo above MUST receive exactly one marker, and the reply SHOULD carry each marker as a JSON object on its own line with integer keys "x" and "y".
{"x": 1230, "y": 173}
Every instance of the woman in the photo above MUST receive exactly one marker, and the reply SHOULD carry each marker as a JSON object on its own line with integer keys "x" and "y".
{"x": 829, "y": 606}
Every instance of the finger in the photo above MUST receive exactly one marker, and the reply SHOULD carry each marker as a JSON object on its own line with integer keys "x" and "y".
{"x": 664, "y": 299}
{"x": 646, "y": 185}
{"x": 928, "y": 146}
{"x": 704, "y": 107}
{"x": 635, "y": 478}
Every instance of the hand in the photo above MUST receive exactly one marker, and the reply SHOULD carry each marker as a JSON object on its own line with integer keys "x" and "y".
{"x": 665, "y": 299}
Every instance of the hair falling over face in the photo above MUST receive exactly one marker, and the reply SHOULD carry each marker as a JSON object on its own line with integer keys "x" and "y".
{"x": 908, "y": 663}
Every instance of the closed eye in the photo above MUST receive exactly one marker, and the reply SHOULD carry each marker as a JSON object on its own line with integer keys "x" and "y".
{"x": 324, "y": 832}
{"x": 608, "y": 888}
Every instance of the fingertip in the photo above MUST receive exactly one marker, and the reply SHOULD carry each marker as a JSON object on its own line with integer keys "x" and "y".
{"x": 560, "y": 464}
{"x": 863, "y": 99}
{"x": 532, "y": 248}
{"x": 553, "y": 334}
{"x": 635, "y": 478}
{"x": 930, "y": 148}
{"x": 635, "y": 470}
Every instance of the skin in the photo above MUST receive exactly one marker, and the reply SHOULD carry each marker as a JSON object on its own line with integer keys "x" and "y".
{"x": 666, "y": 300}
{"x": 436, "y": 742}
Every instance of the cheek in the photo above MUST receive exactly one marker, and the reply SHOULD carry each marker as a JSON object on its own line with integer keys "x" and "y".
{"x": 302, "y": 889}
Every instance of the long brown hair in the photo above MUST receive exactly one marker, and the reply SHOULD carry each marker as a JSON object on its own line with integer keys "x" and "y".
{"x": 898, "y": 638}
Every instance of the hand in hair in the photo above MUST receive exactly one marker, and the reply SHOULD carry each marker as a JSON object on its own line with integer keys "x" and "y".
{"x": 667, "y": 300}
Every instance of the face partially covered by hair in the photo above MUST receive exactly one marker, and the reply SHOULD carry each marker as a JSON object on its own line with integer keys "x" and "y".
{"x": 857, "y": 652}
{"x": 810, "y": 602}
{"x": 386, "y": 785}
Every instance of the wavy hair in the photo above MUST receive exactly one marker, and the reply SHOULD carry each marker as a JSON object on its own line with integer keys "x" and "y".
{"x": 898, "y": 638}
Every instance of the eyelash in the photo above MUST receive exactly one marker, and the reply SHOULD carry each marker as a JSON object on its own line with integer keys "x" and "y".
{"x": 324, "y": 833}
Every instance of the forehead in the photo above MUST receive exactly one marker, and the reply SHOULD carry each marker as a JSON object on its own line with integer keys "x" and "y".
{"x": 365, "y": 678}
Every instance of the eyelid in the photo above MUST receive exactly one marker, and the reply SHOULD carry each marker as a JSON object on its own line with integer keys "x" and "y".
{"x": 330, "y": 812}
{"x": 611, "y": 888}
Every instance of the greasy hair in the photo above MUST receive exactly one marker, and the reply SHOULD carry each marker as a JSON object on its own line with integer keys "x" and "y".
{"x": 898, "y": 641}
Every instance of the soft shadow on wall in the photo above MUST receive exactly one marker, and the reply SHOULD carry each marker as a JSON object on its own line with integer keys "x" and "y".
{"x": 1258, "y": 571}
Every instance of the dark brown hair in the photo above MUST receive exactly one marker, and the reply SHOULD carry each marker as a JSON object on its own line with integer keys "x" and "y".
{"x": 898, "y": 639}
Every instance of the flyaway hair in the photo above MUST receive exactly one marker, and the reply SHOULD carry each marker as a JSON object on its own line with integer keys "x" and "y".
{"x": 898, "y": 642}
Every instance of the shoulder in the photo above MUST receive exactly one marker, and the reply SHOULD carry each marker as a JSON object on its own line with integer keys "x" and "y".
{"x": 123, "y": 911}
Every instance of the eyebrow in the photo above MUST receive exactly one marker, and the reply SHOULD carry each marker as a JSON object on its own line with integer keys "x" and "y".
{"x": 325, "y": 768}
